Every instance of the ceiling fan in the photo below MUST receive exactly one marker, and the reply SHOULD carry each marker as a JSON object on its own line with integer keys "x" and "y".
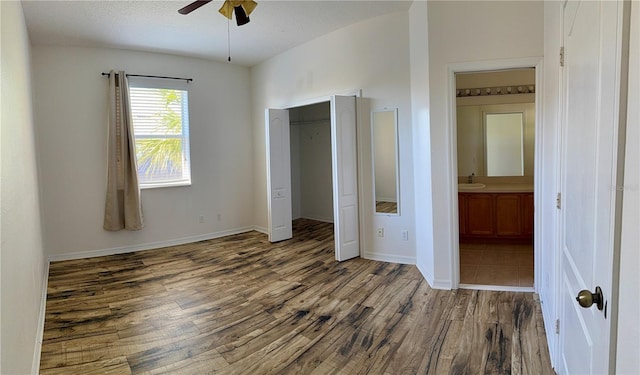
{"x": 242, "y": 9}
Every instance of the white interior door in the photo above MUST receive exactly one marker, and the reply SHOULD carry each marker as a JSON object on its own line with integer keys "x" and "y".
{"x": 345, "y": 177}
{"x": 590, "y": 128}
{"x": 278, "y": 174}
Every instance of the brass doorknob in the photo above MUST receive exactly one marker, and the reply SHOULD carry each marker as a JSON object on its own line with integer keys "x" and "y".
{"x": 586, "y": 299}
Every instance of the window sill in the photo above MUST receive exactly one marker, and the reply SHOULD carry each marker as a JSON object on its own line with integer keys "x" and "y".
{"x": 165, "y": 185}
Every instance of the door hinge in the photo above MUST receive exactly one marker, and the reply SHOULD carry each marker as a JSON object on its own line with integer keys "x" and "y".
{"x": 558, "y": 200}
{"x": 557, "y": 326}
{"x": 561, "y": 56}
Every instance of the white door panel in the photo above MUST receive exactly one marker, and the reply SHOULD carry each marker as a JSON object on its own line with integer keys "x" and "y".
{"x": 345, "y": 177}
{"x": 590, "y": 126}
{"x": 278, "y": 174}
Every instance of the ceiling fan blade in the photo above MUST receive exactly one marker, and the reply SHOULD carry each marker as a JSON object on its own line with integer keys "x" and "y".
{"x": 241, "y": 16}
{"x": 193, "y": 6}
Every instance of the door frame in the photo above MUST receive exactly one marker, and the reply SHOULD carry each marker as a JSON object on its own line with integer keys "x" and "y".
{"x": 357, "y": 93}
{"x": 493, "y": 65}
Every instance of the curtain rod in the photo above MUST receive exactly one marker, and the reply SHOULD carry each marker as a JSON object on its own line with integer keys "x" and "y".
{"x": 139, "y": 75}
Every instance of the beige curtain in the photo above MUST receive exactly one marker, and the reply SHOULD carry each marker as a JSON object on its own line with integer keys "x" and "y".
{"x": 122, "y": 208}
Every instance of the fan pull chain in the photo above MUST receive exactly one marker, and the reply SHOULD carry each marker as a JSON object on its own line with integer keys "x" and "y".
{"x": 228, "y": 40}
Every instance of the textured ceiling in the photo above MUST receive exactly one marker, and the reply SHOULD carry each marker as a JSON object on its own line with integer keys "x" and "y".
{"x": 156, "y": 25}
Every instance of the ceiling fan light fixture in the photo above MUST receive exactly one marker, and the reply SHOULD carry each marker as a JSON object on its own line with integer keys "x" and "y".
{"x": 242, "y": 9}
{"x": 226, "y": 9}
{"x": 249, "y": 6}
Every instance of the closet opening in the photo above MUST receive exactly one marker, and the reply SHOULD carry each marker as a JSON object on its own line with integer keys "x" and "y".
{"x": 312, "y": 170}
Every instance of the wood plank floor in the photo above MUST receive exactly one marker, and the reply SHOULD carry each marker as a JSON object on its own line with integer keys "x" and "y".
{"x": 387, "y": 207}
{"x": 240, "y": 305}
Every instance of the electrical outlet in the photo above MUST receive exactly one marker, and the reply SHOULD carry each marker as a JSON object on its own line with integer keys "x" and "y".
{"x": 405, "y": 235}
{"x": 380, "y": 232}
{"x": 201, "y": 218}
{"x": 219, "y": 217}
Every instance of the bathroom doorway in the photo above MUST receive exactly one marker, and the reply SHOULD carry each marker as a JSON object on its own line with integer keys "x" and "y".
{"x": 495, "y": 139}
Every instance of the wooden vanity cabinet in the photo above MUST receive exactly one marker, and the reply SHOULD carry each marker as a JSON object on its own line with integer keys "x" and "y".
{"x": 462, "y": 215}
{"x": 480, "y": 215}
{"x": 509, "y": 212}
{"x": 527, "y": 207}
{"x": 496, "y": 216}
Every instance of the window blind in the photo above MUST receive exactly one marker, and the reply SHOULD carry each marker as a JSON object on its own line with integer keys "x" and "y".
{"x": 161, "y": 129}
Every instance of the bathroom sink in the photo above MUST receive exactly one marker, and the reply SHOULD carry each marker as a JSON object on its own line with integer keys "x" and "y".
{"x": 473, "y": 186}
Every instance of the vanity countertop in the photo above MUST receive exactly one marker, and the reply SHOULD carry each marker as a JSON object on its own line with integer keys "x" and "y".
{"x": 500, "y": 188}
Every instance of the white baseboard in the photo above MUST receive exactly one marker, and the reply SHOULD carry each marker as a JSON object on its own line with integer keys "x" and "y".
{"x": 424, "y": 274}
{"x": 389, "y": 258}
{"x": 318, "y": 218}
{"x": 148, "y": 245}
{"x": 549, "y": 321}
{"x": 37, "y": 352}
{"x": 441, "y": 284}
{"x": 388, "y": 200}
{"x": 261, "y": 229}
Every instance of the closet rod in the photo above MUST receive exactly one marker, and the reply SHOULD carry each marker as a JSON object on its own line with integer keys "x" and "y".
{"x": 140, "y": 75}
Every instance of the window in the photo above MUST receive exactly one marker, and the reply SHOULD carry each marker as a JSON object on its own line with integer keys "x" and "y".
{"x": 160, "y": 113}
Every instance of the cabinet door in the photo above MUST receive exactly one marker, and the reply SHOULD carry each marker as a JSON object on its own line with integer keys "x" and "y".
{"x": 480, "y": 214}
{"x": 527, "y": 215}
{"x": 462, "y": 214}
{"x": 508, "y": 215}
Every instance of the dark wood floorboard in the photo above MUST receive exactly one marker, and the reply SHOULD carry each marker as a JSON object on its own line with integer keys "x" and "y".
{"x": 241, "y": 305}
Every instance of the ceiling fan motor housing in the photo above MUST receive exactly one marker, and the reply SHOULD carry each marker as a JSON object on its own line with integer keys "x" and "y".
{"x": 241, "y": 8}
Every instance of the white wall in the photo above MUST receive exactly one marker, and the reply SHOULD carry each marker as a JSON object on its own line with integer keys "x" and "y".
{"x": 372, "y": 55}
{"x": 71, "y": 111}
{"x": 515, "y": 77}
{"x": 315, "y": 171}
{"x": 470, "y": 140}
{"x": 23, "y": 261}
{"x": 316, "y": 194}
{"x": 421, "y": 127}
{"x": 296, "y": 183}
{"x": 628, "y": 355}
{"x": 463, "y": 31}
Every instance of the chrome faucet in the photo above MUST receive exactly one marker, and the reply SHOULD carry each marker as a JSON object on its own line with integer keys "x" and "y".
{"x": 470, "y": 178}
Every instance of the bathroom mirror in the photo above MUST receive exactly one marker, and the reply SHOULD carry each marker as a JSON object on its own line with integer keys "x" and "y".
{"x": 504, "y": 138}
{"x": 500, "y": 147}
{"x": 384, "y": 146}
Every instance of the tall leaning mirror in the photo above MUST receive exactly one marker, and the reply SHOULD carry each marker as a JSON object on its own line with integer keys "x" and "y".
{"x": 384, "y": 141}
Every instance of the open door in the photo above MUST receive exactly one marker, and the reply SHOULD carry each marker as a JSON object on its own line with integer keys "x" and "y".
{"x": 592, "y": 99}
{"x": 278, "y": 174}
{"x": 345, "y": 177}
